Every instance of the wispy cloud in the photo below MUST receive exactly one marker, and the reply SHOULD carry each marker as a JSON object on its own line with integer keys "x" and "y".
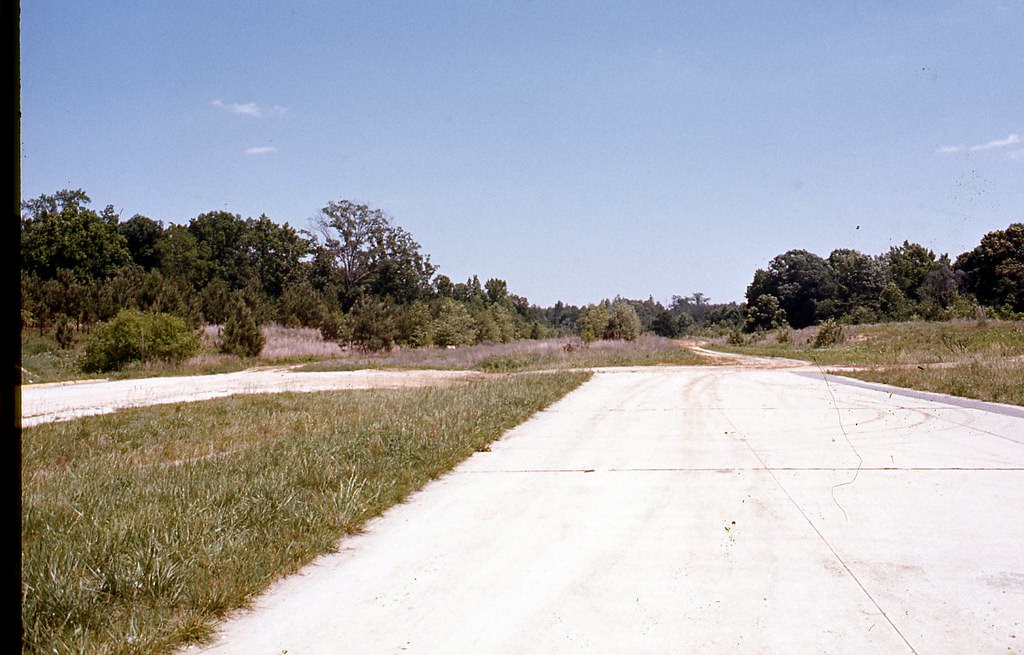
{"x": 248, "y": 108}
{"x": 260, "y": 150}
{"x": 1011, "y": 140}
{"x": 1016, "y": 154}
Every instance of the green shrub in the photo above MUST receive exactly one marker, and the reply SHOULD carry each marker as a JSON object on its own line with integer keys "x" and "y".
{"x": 374, "y": 323}
{"x": 495, "y": 324}
{"x": 134, "y": 336}
{"x": 333, "y": 327}
{"x": 860, "y": 315}
{"x": 893, "y": 304}
{"x": 736, "y": 338}
{"x": 962, "y": 307}
{"x": 215, "y": 301}
{"x": 452, "y": 325}
{"x": 302, "y": 305}
{"x": 829, "y": 334}
{"x": 242, "y": 335}
{"x": 415, "y": 324}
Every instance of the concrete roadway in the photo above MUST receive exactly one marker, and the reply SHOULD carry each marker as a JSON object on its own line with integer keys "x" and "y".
{"x": 62, "y": 401}
{"x": 688, "y": 510}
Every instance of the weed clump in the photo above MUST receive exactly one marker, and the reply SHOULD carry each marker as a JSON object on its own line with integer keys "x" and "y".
{"x": 736, "y": 338}
{"x": 829, "y": 334}
{"x": 508, "y": 363}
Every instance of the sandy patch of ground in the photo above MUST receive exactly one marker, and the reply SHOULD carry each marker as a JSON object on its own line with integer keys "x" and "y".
{"x": 748, "y": 361}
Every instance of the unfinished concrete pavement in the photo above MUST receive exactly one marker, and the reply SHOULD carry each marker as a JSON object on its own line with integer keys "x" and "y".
{"x": 62, "y": 401}
{"x": 689, "y": 510}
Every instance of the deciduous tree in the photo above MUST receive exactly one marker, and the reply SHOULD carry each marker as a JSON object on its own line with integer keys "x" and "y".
{"x": 994, "y": 270}
{"x": 859, "y": 280}
{"x": 371, "y": 254}
{"x": 801, "y": 281}
{"x": 61, "y": 232}
{"x": 623, "y": 322}
{"x": 273, "y": 252}
{"x": 593, "y": 321}
{"x": 908, "y": 265}
{"x": 765, "y": 313}
{"x": 142, "y": 234}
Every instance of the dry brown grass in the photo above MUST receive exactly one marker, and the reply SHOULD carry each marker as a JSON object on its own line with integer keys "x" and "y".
{"x": 290, "y": 343}
{"x": 524, "y": 355}
{"x": 282, "y": 343}
{"x": 306, "y": 346}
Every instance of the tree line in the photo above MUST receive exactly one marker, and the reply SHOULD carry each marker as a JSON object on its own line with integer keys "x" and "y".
{"x": 909, "y": 281}
{"x": 363, "y": 280}
{"x": 354, "y": 275}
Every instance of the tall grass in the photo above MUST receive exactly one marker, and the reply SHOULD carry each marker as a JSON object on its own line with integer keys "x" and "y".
{"x": 44, "y": 362}
{"x": 295, "y": 343}
{"x": 975, "y": 359}
{"x": 525, "y": 355}
{"x": 998, "y": 380}
{"x": 141, "y": 528}
{"x": 897, "y": 344}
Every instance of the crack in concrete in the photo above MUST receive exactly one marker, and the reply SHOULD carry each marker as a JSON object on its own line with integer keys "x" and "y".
{"x": 824, "y": 541}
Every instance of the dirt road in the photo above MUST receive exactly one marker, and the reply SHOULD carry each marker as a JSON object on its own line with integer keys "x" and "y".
{"x": 693, "y": 510}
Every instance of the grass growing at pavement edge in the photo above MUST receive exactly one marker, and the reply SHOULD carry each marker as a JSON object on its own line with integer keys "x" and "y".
{"x": 974, "y": 359}
{"x": 141, "y": 528}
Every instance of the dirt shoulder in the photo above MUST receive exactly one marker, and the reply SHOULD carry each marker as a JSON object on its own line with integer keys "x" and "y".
{"x": 749, "y": 361}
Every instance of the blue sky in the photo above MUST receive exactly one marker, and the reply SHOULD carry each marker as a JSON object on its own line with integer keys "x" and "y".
{"x": 576, "y": 150}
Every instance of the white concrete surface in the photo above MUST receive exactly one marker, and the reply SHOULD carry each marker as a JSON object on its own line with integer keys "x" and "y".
{"x": 60, "y": 401}
{"x": 688, "y": 510}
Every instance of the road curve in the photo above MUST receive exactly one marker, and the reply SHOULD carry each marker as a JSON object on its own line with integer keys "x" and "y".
{"x": 691, "y": 510}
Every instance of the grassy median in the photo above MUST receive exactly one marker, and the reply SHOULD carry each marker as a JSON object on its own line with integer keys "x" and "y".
{"x": 140, "y": 529}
